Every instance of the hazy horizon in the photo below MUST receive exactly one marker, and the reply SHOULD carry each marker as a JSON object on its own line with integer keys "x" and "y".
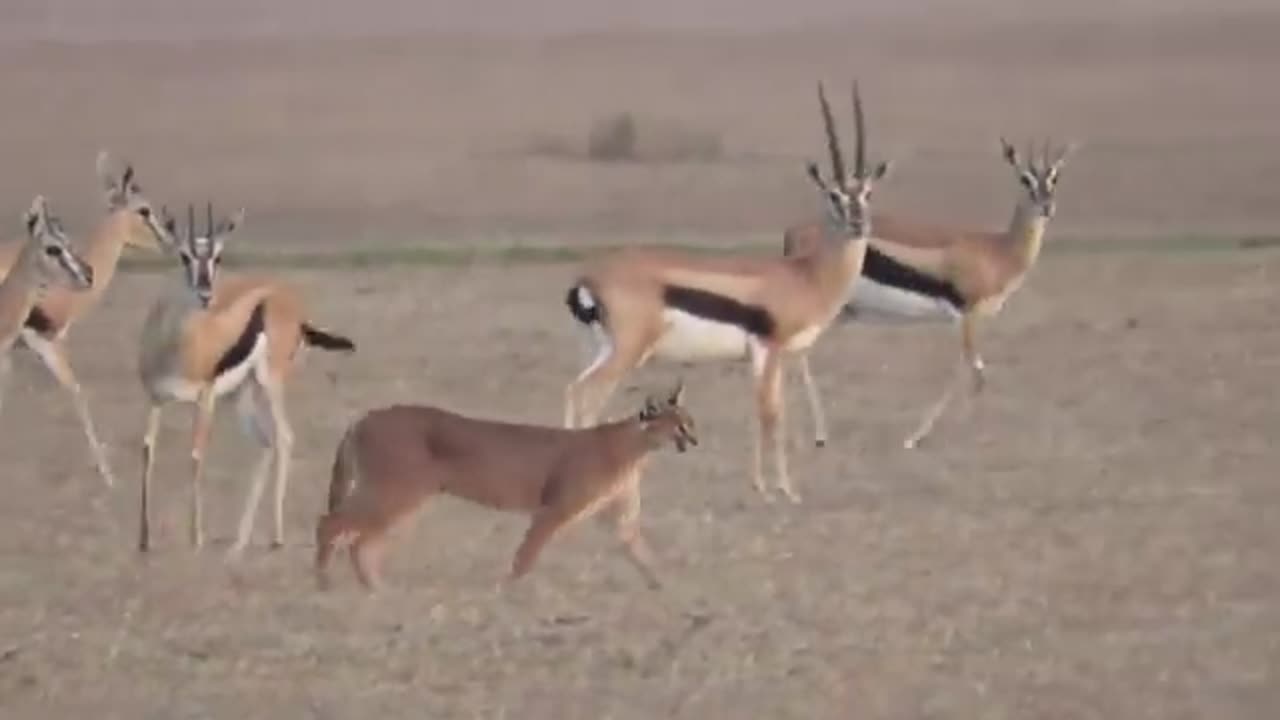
{"x": 176, "y": 20}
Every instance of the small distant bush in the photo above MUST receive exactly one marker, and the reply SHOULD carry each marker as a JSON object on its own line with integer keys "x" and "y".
{"x": 622, "y": 137}
{"x": 613, "y": 139}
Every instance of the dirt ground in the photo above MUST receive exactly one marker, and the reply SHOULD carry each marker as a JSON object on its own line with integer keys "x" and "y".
{"x": 1094, "y": 537}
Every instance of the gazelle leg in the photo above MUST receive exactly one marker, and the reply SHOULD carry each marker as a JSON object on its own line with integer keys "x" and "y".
{"x": 968, "y": 335}
{"x": 54, "y": 356}
{"x": 283, "y": 432}
{"x": 759, "y": 362}
{"x": 766, "y": 365}
{"x": 972, "y": 364}
{"x": 250, "y": 412}
{"x": 148, "y": 464}
{"x": 935, "y": 411}
{"x": 815, "y": 403}
{"x": 593, "y": 388}
{"x": 625, "y": 512}
{"x": 598, "y": 347}
{"x": 773, "y": 421}
{"x": 257, "y": 482}
{"x": 205, "y": 404}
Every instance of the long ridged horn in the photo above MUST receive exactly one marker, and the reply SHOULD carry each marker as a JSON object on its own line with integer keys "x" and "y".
{"x": 208, "y": 219}
{"x": 860, "y": 156}
{"x": 833, "y": 141}
{"x": 191, "y": 222}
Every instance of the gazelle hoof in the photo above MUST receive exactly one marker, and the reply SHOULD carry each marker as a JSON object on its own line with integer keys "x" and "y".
{"x": 820, "y": 442}
{"x": 791, "y": 495}
{"x": 276, "y": 545}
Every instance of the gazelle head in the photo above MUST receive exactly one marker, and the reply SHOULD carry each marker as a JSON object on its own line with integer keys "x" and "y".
{"x": 666, "y": 419}
{"x": 847, "y": 194}
{"x": 201, "y": 253}
{"x": 124, "y": 195}
{"x": 57, "y": 263}
{"x": 1039, "y": 182}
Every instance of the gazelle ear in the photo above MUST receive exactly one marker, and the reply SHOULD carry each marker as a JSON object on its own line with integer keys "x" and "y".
{"x": 35, "y": 215}
{"x": 231, "y": 224}
{"x": 168, "y": 222}
{"x": 112, "y": 192}
{"x": 882, "y": 170}
{"x": 815, "y": 174}
{"x": 103, "y": 168}
{"x": 1066, "y": 152}
{"x": 1010, "y": 154}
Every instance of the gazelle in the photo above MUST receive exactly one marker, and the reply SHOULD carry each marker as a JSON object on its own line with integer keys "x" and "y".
{"x": 130, "y": 221}
{"x": 214, "y": 336}
{"x": 642, "y": 303}
{"x": 46, "y": 260}
{"x": 393, "y": 459}
{"x": 915, "y": 272}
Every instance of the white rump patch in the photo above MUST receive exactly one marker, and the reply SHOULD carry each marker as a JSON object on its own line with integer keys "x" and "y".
{"x": 874, "y": 301}
{"x": 585, "y": 298}
{"x": 689, "y": 338}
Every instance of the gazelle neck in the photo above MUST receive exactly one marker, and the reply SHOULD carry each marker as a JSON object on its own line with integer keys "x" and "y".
{"x": 842, "y": 251}
{"x": 1025, "y": 235}
{"x": 104, "y": 247}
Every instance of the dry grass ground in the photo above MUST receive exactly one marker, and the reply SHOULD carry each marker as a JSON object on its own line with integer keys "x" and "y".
{"x": 1096, "y": 537}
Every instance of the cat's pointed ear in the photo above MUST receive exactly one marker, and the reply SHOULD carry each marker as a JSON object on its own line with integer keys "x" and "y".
{"x": 677, "y": 395}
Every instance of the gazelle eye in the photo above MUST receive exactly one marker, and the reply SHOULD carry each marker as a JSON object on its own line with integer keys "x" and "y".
{"x": 53, "y": 251}
{"x": 145, "y": 212}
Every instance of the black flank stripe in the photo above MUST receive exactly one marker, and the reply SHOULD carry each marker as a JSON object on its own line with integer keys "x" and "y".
{"x": 243, "y": 345}
{"x": 710, "y": 306}
{"x": 38, "y": 321}
{"x": 885, "y": 270}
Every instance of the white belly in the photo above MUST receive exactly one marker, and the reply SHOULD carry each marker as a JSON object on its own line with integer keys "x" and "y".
{"x": 174, "y": 387}
{"x": 232, "y": 377}
{"x": 177, "y": 388}
{"x": 873, "y": 301}
{"x": 689, "y": 338}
